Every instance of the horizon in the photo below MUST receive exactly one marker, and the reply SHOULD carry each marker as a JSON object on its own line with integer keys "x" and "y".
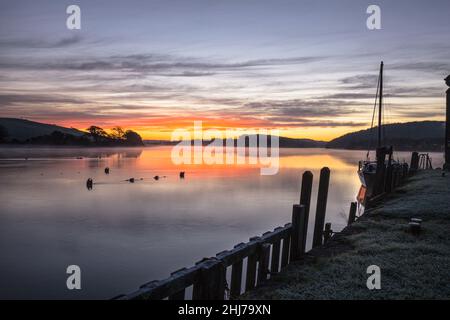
{"x": 234, "y": 64}
{"x": 237, "y": 136}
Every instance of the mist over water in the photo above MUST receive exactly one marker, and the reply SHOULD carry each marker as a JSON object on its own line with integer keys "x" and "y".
{"x": 124, "y": 234}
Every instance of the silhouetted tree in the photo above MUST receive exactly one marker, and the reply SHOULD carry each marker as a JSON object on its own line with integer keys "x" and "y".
{"x": 97, "y": 133}
{"x": 133, "y": 138}
{"x": 117, "y": 133}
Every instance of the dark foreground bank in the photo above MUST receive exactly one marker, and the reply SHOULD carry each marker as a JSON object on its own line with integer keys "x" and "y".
{"x": 412, "y": 266}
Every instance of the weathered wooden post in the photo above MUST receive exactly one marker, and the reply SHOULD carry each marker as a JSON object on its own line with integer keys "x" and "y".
{"x": 447, "y": 128}
{"x": 414, "y": 163}
{"x": 211, "y": 283}
{"x": 274, "y": 266}
{"x": 285, "y": 251}
{"x": 180, "y": 294}
{"x": 298, "y": 223}
{"x": 263, "y": 267}
{"x": 352, "y": 213}
{"x": 236, "y": 276}
{"x": 321, "y": 206}
{"x": 252, "y": 260}
{"x": 305, "y": 200}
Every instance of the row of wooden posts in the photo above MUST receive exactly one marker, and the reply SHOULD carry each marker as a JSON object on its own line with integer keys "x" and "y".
{"x": 264, "y": 255}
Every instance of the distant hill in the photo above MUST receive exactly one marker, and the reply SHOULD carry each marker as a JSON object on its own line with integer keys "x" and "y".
{"x": 21, "y": 130}
{"x": 283, "y": 142}
{"x": 419, "y": 136}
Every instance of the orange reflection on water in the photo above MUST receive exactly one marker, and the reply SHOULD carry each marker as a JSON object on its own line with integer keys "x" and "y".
{"x": 316, "y": 161}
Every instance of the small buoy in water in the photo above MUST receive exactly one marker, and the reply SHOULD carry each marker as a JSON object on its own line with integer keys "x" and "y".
{"x": 156, "y": 177}
{"x": 106, "y": 170}
{"x": 182, "y": 174}
{"x": 89, "y": 184}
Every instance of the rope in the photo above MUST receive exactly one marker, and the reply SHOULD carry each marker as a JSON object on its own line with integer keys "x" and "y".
{"x": 373, "y": 116}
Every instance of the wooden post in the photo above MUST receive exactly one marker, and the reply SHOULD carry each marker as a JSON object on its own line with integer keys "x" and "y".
{"x": 414, "y": 163}
{"x": 211, "y": 284}
{"x": 327, "y": 232}
{"x": 252, "y": 260}
{"x": 263, "y": 267}
{"x": 285, "y": 252}
{"x": 298, "y": 223}
{"x": 321, "y": 206}
{"x": 274, "y": 266}
{"x": 352, "y": 213}
{"x": 305, "y": 200}
{"x": 388, "y": 183}
{"x": 236, "y": 279}
{"x": 447, "y": 127}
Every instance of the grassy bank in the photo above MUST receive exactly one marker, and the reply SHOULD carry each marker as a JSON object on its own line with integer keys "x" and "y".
{"x": 412, "y": 267}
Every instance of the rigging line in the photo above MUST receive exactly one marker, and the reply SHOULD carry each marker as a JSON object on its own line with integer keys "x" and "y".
{"x": 373, "y": 117}
{"x": 385, "y": 117}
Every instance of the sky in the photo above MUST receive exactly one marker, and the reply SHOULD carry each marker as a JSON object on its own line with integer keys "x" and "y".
{"x": 307, "y": 68}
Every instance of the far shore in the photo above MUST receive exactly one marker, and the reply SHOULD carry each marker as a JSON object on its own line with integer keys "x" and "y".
{"x": 169, "y": 143}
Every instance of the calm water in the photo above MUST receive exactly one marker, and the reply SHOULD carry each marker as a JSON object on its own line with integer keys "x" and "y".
{"x": 123, "y": 235}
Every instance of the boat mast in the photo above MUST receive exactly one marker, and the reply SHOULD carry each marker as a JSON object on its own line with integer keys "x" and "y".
{"x": 380, "y": 104}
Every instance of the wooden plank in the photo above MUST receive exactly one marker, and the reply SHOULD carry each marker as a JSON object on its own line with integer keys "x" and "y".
{"x": 251, "y": 272}
{"x": 156, "y": 290}
{"x": 236, "y": 279}
{"x": 210, "y": 285}
{"x": 285, "y": 252}
{"x": 321, "y": 206}
{"x": 274, "y": 266}
{"x": 263, "y": 268}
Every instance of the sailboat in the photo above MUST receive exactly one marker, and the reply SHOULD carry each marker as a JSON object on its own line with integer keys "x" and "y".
{"x": 369, "y": 171}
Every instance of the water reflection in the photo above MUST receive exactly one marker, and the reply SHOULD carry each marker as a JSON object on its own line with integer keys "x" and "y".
{"x": 123, "y": 234}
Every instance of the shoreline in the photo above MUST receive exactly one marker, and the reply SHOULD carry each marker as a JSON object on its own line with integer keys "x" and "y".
{"x": 412, "y": 267}
{"x": 42, "y": 146}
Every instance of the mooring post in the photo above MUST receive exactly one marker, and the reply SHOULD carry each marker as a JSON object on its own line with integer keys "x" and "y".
{"x": 352, "y": 213}
{"x": 447, "y": 128}
{"x": 298, "y": 222}
{"x": 321, "y": 206}
{"x": 414, "y": 163}
{"x": 305, "y": 200}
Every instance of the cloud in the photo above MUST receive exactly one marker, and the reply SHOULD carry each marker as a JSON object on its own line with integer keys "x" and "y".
{"x": 423, "y": 66}
{"x": 27, "y": 43}
{"x": 149, "y": 63}
{"x": 14, "y": 99}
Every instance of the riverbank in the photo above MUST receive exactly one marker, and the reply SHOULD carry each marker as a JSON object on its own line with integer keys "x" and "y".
{"x": 412, "y": 267}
